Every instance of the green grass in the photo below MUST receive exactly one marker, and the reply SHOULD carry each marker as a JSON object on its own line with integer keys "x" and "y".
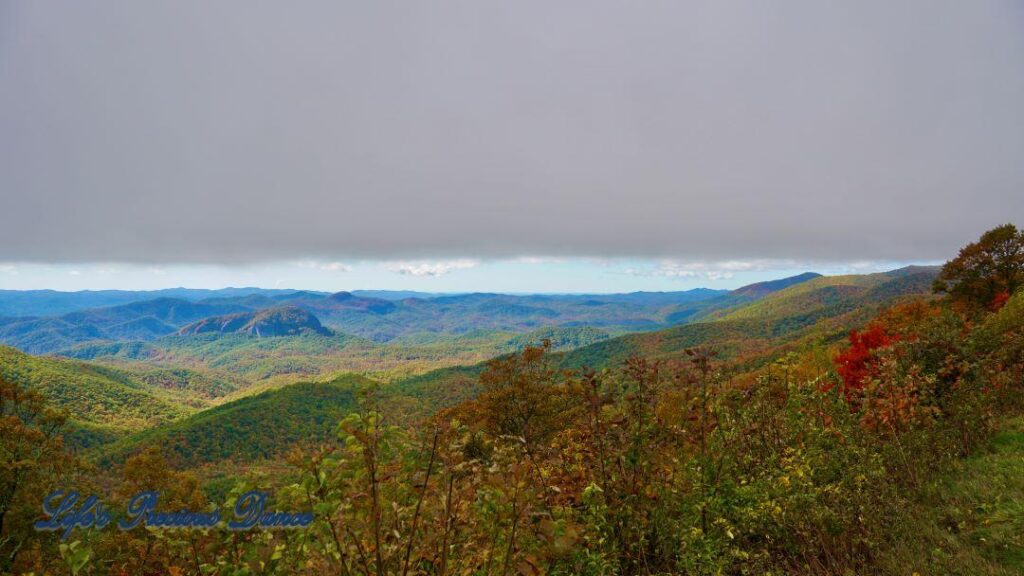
{"x": 969, "y": 521}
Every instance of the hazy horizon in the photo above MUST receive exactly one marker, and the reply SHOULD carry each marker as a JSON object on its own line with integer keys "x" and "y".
{"x": 561, "y": 277}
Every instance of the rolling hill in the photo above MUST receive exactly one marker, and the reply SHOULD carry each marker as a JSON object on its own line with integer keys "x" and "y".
{"x": 253, "y": 428}
{"x": 825, "y": 307}
{"x": 101, "y": 402}
{"x": 762, "y": 289}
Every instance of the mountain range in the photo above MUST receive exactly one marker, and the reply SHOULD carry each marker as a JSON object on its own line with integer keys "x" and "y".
{"x": 376, "y": 315}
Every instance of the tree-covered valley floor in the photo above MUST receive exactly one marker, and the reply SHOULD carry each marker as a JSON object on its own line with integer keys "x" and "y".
{"x": 867, "y": 424}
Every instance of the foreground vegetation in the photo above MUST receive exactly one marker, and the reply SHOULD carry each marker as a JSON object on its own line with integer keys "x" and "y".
{"x": 897, "y": 450}
{"x": 970, "y": 518}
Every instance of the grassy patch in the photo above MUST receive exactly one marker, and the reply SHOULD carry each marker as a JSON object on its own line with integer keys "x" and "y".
{"x": 970, "y": 521}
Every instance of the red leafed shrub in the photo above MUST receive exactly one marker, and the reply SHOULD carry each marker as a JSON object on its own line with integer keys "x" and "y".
{"x": 857, "y": 364}
{"x": 998, "y": 301}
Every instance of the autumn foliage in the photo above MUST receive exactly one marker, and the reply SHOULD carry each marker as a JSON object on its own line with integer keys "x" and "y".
{"x": 857, "y": 364}
{"x": 985, "y": 273}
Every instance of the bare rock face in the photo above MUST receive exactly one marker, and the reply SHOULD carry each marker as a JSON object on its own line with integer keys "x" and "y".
{"x": 279, "y": 321}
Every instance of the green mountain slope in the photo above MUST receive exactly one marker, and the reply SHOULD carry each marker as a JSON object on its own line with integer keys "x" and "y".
{"x": 761, "y": 289}
{"x": 101, "y": 402}
{"x": 252, "y": 428}
{"x": 824, "y": 308}
{"x": 826, "y": 291}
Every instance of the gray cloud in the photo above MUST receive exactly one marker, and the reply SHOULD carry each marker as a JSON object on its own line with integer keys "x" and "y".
{"x": 237, "y": 131}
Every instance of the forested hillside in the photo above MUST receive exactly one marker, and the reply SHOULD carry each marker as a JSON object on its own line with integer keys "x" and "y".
{"x": 863, "y": 424}
{"x": 255, "y": 428}
{"x": 101, "y": 402}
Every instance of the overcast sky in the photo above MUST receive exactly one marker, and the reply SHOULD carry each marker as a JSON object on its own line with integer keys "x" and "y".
{"x": 244, "y": 133}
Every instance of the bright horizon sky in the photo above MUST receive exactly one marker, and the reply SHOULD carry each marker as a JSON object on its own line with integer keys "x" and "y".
{"x": 521, "y": 275}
